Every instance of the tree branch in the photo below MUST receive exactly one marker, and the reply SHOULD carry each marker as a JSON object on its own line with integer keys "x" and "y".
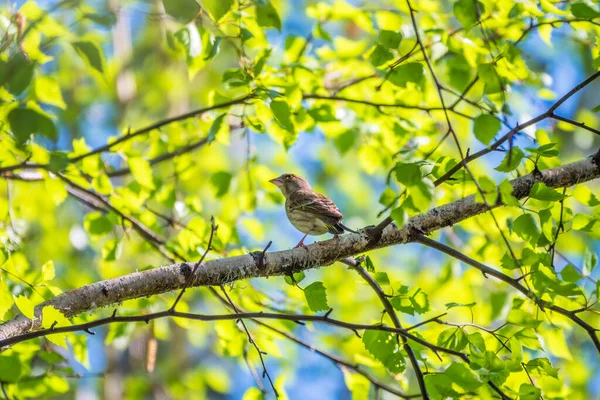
{"x": 389, "y": 309}
{"x": 225, "y": 270}
{"x": 572, "y": 315}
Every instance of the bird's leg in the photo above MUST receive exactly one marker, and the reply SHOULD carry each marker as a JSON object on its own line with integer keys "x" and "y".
{"x": 301, "y": 242}
{"x": 335, "y": 236}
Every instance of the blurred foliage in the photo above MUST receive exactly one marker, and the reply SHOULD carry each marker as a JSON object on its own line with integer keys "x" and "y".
{"x": 92, "y": 96}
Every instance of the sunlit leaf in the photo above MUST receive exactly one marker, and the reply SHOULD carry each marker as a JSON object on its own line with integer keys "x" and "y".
{"x": 316, "y": 297}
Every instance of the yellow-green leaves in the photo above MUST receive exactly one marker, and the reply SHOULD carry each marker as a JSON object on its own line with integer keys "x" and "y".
{"x": 485, "y": 128}
{"x": 48, "y": 272}
{"x": 411, "y": 72}
{"x": 390, "y": 39}
{"x": 142, "y": 171}
{"x": 6, "y": 298}
{"x": 316, "y": 297}
{"x": 410, "y": 302}
{"x": 511, "y": 160}
{"x": 217, "y": 8}
{"x": 25, "y": 305}
{"x": 47, "y": 90}
{"x": 380, "y": 55}
{"x": 97, "y": 224}
{"x": 25, "y": 122}
{"x": 282, "y": 113}
{"x": 468, "y": 12}
{"x": 585, "y": 9}
{"x": 220, "y": 182}
{"x": 382, "y": 346}
{"x": 540, "y": 191}
{"x": 267, "y": 16}
{"x": 16, "y": 74}
{"x": 526, "y": 228}
{"x": 487, "y": 73}
{"x": 91, "y": 53}
{"x": 10, "y": 367}
{"x": 215, "y": 127}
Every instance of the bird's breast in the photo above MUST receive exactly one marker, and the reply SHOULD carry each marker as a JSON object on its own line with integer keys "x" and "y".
{"x": 305, "y": 222}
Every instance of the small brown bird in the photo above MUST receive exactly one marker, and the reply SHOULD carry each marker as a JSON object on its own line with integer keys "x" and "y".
{"x": 310, "y": 212}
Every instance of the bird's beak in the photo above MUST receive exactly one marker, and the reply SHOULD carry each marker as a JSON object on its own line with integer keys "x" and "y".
{"x": 276, "y": 181}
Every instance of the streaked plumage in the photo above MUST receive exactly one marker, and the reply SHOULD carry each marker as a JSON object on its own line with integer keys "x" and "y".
{"x": 310, "y": 212}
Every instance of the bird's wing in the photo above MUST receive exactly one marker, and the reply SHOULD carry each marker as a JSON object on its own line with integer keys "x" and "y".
{"x": 314, "y": 203}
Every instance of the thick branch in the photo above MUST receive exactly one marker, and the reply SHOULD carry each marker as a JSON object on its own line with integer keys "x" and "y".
{"x": 225, "y": 270}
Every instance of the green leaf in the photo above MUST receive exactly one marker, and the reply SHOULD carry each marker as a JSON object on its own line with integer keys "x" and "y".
{"x": 463, "y": 376}
{"x": 220, "y": 182}
{"x": 141, "y": 171}
{"x": 417, "y": 302}
{"x": 185, "y": 10}
{"x": 213, "y": 49}
{"x": 10, "y": 368}
{"x": 411, "y": 72}
{"x": 369, "y": 264}
{"x": 548, "y": 150}
{"x": 522, "y": 318}
{"x": 217, "y": 8}
{"x": 390, "y": 39}
{"x": 467, "y": 11}
{"x": 511, "y": 160}
{"x": 6, "y": 298}
{"x": 590, "y": 259}
{"x": 345, "y": 141}
{"x": 542, "y": 366}
{"x": 399, "y": 216}
{"x": 408, "y": 174}
{"x": 382, "y": 346}
{"x": 215, "y": 127}
{"x": 102, "y": 184}
{"x": 25, "y": 305}
{"x": 282, "y": 113}
{"x": 487, "y": 73}
{"x": 91, "y": 53}
{"x": 526, "y": 228}
{"x": 267, "y": 16}
{"x": 388, "y": 197}
{"x": 454, "y": 305}
{"x": 585, "y": 9}
{"x": 316, "y": 297}
{"x": 380, "y": 55}
{"x": 440, "y": 387}
{"x": 111, "y": 250}
{"x": 58, "y": 162}
{"x": 485, "y": 128}
{"x": 298, "y": 277}
{"x": 48, "y": 271}
{"x": 585, "y": 196}
{"x": 18, "y": 72}
{"x": 506, "y": 195}
{"x": 25, "y": 122}
{"x": 47, "y": 91}
{"x": 529, "y": 392}
{"x": 357, "y": 384}
{"x": 453, "y": 339}
{"x": 570, "y": 273}
{"x": 546, "y": 224}
{"x": 540, "y": 191}
{"x": 382, "y": 278}
{"x": 97, "y": 224}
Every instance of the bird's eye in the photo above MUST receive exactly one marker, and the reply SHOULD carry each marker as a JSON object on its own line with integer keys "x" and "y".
{"x": 288, "y": 177}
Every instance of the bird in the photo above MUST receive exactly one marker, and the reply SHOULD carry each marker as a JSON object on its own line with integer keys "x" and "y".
{"x": 310, "y": 212}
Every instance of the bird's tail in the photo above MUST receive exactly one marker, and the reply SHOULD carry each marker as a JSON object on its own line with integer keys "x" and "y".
{"x": 344, "y": 227}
